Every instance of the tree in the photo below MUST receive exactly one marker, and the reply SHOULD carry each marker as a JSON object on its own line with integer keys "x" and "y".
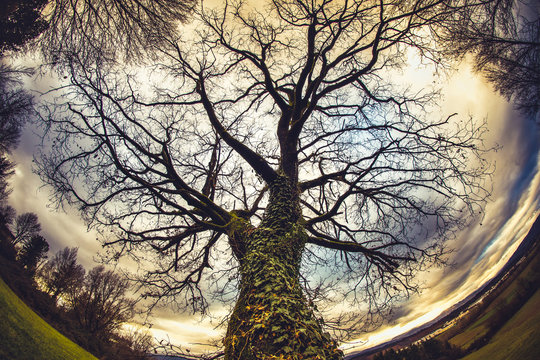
{"x": 16, "y": 105}
{"x": 20, "y": 21}
{"x": 32, "y": 252}
{"x": 26, "y": 226}
{"x": 61, "y": 274}
{"x": 6, "y": 170}
{"x": 18, "y": 24}
{"x": 97, "y": 28}
{"x": 7, "y": 214}
{"x": 273, "y": 153}
{"x": 100, "y": 304}
{"x": 504, "y": 37}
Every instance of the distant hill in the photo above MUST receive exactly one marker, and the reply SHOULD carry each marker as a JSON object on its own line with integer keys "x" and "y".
{"x": 26, "y": 336}
{"x": 505, "y": 325}
{"x": 169, "y": 357}
{"x": 508, "y": 327}
{"x": 518, "y": 339}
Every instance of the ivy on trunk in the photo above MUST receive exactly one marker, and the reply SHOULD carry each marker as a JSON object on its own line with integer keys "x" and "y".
{"x": 272, "y": 318}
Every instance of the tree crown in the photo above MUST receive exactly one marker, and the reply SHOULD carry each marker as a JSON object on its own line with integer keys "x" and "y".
{"x": 302, "y": 94}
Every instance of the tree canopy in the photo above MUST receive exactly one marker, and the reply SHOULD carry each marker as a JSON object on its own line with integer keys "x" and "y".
{"x": 504, "y": 38}
{"x": 272, "y": 151}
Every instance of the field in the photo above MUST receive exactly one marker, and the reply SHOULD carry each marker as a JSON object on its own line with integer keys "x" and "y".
{"x": 504, "y": 325}
{"x": 519, "y": 338}
{"x": 25, "y": 336}
{"x": 519, "y": 334}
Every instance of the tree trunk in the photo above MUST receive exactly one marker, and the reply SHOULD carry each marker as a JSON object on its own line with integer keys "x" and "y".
{"x": 272, "y": 318}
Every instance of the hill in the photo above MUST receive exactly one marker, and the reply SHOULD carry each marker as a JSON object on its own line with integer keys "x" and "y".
{"x": 500, "y": 321}
{"x": 519, "y": 338}
{"x": 26, "y": 336}
{"x": 509, "y": 326}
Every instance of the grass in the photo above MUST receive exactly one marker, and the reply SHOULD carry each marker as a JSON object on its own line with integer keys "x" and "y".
{"x": 26, "y": 336}
{"x": 480, "y": 327}
{"x": 519, "y": 338}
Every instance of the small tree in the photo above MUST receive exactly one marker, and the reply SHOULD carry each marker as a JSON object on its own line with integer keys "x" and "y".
{"x": 32, "y": 252}
{"x": 61, "y": 275}
{"x": 100, "y": 304}
{"x": 25, "y": 228}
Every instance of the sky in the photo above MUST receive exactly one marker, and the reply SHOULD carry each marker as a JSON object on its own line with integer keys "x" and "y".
{"x": 480, "y": 250}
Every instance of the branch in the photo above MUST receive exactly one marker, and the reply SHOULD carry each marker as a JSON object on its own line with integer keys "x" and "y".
{"x": 389, "y": 261}
{"x": 256, "y": 161}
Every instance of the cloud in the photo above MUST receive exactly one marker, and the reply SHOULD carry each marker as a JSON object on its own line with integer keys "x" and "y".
{"x": 480, "y": 250}
{"x": 61, "y": 227}
{"x": 485, "y": 246}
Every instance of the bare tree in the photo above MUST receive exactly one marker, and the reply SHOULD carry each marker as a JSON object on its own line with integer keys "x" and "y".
{"x": 504, "y": 37}
{"x": 61, "y": 274}
{"x": 100, "y": 304}
{"x": 108, "y": 29}
{"x": 6, "y": 170}
{"x": 274, "y": 154}
{"x": 16, "y": 106}
{"x": 104, "y": 28}
{"x": 26, "y": 226}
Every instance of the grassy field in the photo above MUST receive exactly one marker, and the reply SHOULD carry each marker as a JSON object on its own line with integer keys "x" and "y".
{"x": 25, "y": 336}
{"x": 480, "y": 327}
{"x": 519, "y": 338}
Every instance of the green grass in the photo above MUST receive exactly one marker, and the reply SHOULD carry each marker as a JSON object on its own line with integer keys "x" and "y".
{"x": 26, "y": 336}
{"x": 519, "y": 338}
{"x": 480, "y": 327}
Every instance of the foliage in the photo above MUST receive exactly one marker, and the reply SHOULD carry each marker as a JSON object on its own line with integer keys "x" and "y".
{"x": 504, "y": 38}
{"x": 62, "y": 274}
{"x": 7, "y": 249}
{"x": 32, "y": 252}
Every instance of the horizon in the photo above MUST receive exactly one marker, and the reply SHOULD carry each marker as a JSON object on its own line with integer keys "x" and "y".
{"x": 480, "y": 250}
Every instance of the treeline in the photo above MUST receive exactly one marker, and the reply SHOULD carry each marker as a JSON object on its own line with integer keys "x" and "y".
{"x": 90, "y": 307}
{"x": 431, "y": 349}
{"x": 526, "y": 286}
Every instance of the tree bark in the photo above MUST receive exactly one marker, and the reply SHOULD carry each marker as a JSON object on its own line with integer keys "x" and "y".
{"x": 272, "y": 318}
